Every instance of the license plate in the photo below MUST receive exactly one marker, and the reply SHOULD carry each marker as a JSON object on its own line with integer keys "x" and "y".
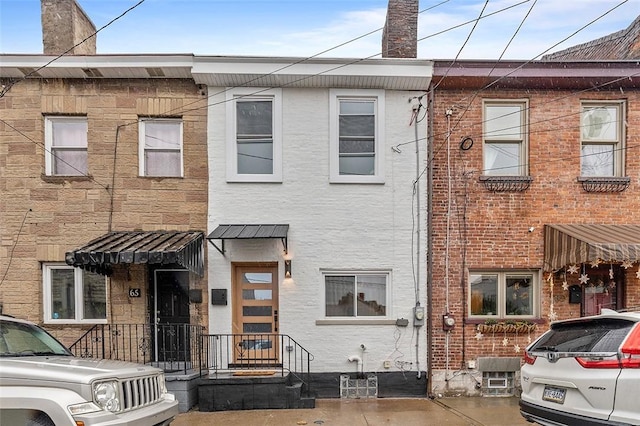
{"x": 554, "y": 394}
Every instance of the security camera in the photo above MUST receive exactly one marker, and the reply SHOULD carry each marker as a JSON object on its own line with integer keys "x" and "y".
{"x": 531, "y": 229}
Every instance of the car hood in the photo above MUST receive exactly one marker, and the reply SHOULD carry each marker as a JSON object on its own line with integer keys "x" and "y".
{"x": 70, "y": 369}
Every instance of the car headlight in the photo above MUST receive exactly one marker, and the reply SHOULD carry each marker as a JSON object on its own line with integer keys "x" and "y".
{"x": 105, "y": 394}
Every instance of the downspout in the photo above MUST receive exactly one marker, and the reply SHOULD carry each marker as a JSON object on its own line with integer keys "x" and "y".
{"x": 431, "y": 100}
{"x": 418, "y": 245}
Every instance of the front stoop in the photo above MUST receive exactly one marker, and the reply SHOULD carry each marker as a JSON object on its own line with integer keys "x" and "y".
{"x": 224, "y": 392}
{"x": 184, "y": 387}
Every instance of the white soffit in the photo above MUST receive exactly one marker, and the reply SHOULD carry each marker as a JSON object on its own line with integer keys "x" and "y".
{"x": 395, "y": 74}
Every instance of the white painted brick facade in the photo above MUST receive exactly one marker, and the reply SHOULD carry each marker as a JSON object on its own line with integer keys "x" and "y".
{"x": 332, "y": 226}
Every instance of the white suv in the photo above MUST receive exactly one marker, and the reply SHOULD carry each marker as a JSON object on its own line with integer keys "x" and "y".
{"x": 584, "y": 371}
{"x": 42, "y": 383}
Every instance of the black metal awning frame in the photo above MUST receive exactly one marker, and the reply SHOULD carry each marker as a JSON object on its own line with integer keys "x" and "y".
{"x": 248, "y": 232}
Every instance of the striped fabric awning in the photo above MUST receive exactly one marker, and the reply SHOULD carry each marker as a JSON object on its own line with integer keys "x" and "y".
{"x": 584, "y": 243}
{"x": 184, "y": 249}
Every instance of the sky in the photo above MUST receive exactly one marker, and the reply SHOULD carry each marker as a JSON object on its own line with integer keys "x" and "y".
{"x": 447, "y": 29}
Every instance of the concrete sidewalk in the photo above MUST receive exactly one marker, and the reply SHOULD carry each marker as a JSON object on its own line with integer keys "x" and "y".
{"x": 475, "y": 411}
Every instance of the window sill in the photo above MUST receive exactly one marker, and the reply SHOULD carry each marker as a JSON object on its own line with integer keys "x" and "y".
{"x": 75, "y": 322}
{"x": 604, "y": 184}
{"x": 64, "y": 179}
{"x": 356, "y": 321}
{"x": 506, "y": 183}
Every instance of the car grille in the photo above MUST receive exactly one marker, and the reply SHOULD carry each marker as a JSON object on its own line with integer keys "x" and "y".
{"x": 140, "y": 392}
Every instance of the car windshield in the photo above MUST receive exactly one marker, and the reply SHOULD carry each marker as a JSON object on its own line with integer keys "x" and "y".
{"x": 599, "y": 335}
{"x": 20, "y": 339}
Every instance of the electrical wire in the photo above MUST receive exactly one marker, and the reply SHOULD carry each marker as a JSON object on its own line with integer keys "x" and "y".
{"x": 24, "y": 219}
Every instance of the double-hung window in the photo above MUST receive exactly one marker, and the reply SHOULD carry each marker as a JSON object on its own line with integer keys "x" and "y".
{"x": 160, "y": 147}
{"x": 356, "y": 295}
{"x": 602, "y": 139}
{"x": 505, "y": 138}
{"x": 254, "y": 149}
{"x": 66, "y": 146}
{"x": 357, "y": 132}
{"x": 73, "y": 295}
{"x": 503, "y": 294}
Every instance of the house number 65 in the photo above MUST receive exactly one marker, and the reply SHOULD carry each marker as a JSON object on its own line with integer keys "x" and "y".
{"x": 134, "y": 292}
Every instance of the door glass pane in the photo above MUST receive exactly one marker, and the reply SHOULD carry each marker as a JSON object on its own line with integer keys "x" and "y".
{"x": 484, "y": 294}
{"x": 257, "y": 327}
{"x": 63, "y": 301}
{"x": 339, "y": 293}
{"x": 95, "y": 295}
{"x": 257, "y": 278}
{"x": 257, "y": 294}
{"x": 256, "y": 311}
{"x": 519, "y": 295}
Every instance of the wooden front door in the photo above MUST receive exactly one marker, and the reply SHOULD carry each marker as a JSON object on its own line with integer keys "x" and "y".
{"x": 255, "y": 313}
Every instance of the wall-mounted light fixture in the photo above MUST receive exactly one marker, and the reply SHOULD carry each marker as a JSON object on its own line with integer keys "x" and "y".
{"x": 287, "y": 268}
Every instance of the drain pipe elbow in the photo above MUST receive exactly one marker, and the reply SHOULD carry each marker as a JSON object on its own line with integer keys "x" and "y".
{"x": 355, "y": 358}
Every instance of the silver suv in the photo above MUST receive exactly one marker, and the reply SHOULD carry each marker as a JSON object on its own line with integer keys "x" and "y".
{"x": 42, "y": 383}
{"x": 584, "y": 371}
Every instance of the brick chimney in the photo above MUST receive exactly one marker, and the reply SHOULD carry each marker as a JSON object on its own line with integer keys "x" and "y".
{"x": 64, "y": 25}
{"x": 400, "y": 34}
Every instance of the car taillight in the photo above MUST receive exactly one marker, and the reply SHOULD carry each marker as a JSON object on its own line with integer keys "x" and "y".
{"x": 630, "y": 354}
{"x": 528, "y": 358}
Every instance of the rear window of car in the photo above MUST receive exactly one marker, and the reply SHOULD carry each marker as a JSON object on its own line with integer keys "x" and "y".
{"x": 596, "y": 335}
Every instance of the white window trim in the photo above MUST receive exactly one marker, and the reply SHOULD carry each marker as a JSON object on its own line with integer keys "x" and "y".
{"x": 142, "y": 142}
{"x": 355, "y": 319}
{"x": 502, "y": 273}
{"x": 619, "y": 146}
{"x": 524, "y": 147}
{"x": 48, "y": 140}
{"x": 335, "y": 95}
{"x": 79, "y": 308}
{"x": 232, "y": 148}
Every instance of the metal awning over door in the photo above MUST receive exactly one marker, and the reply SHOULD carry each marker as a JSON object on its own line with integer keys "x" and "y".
{"x": 584, "y": 243}
{"x": 248, "y": 232}
{"x": 153, "y": 247}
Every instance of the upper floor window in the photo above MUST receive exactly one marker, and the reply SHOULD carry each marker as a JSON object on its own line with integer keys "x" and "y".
{"x": 66, "y": 146}
{"x": 254, "y": 149}
{"x": 357, "y": 132}
{"x": 503, "y": 294}
{"x": 356, "y": 295}
{"x": 160, "y": 147}
{"x": 73, "y": 295}
{"x": 505, "y": 138}
{"x": 602, "y": 139}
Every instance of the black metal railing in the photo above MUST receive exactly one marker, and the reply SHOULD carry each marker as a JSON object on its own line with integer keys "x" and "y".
{"x": 223, "y": 353}
{"x": 172, "y": 347}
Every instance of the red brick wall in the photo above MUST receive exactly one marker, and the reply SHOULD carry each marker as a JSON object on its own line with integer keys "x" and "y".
{"x": 494, "y": 225}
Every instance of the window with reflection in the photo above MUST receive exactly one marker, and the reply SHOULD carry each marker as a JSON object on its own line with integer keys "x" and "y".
{"x": 502, "y": 294}
{"x": 602, "y": 139}
{"x": 358, "y": 295}
{"x": 505, "y": 138}
{"x": 73, "y": 295}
